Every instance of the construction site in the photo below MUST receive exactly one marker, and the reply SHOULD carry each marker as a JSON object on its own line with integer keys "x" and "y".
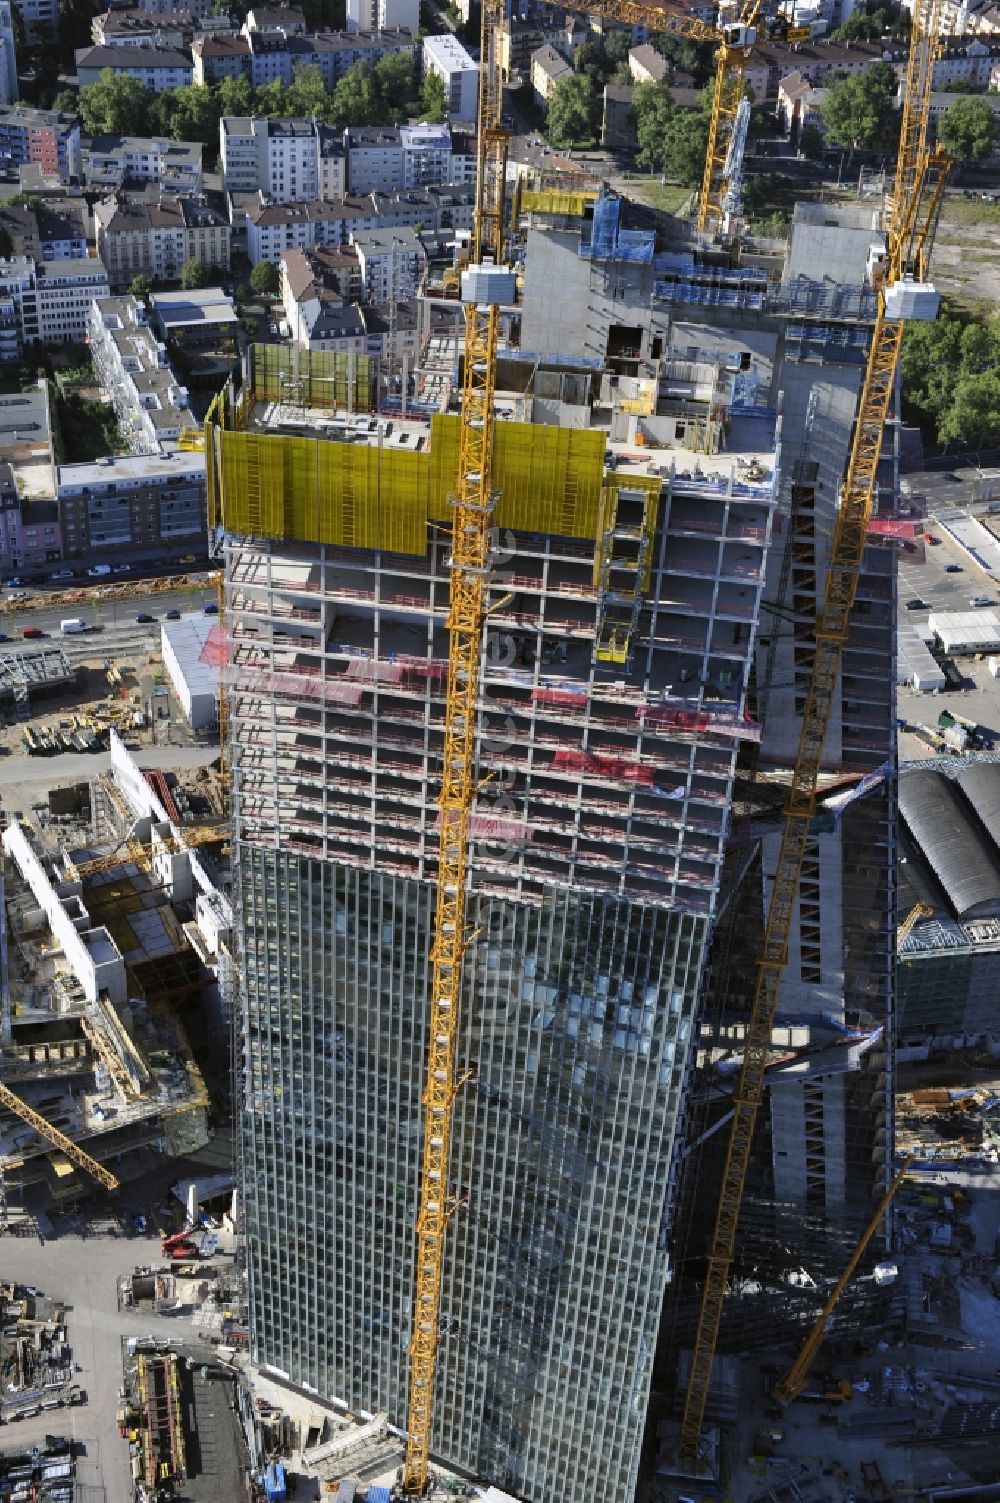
{"x": 110, "y": 942}
{"x": 563, "y": 762}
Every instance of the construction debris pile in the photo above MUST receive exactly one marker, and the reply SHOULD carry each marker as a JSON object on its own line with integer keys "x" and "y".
{"x": 944, "y": 1125}
{"x": 45, "y": 1474}
{"x": 152, "y": 1416}
{"x": 36, "y": 1362}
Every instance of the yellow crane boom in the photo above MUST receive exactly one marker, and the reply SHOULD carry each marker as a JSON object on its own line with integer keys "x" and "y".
{"x": 794, "y": 1380}
{"x": 58, "y": 1139}
{"x": 469, "y": 566}
{"x": 917, "y": 912}
{"x": 907, "y": 242}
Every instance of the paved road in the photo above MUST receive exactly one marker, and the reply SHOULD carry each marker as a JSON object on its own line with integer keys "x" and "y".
{"x": 84, "y": 1274}
{"x": 69, "y": 767}
{"x": 107, "y": 614}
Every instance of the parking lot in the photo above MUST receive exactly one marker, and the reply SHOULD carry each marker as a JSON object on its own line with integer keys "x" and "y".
{"x": 927, "y": 578}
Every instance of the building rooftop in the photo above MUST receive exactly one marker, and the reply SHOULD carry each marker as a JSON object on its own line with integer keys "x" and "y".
{"x": 175, "y": 310}
{"x": 423, "y": 137}
{"x": 654, "y": 62}
{"x": 221, "y": 46}
{"x": 131, "y": 57}
{"x": 187, "y": 638}
{"x": 130, "y": 468}
{"x": 25, "y": 116}
{"x": 450, "y": 53}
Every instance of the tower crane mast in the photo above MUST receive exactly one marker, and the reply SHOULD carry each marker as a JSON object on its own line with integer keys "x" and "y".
{"x": 920, "y": 177}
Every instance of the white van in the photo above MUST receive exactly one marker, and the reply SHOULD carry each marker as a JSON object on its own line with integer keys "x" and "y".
{"x": 981, "y": 600}
{"x": 72, "y": 624}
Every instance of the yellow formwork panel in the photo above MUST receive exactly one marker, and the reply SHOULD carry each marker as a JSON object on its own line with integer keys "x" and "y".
{"x": 549, "y": 479}
{"x": 315, "y": 378}
{"x": 554, "y": 201}
{"x": 366, "y": 496}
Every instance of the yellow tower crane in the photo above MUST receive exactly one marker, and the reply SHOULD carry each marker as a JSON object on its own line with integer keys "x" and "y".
{"x": 56, "y": 1138}
{"x": 912, "y": 217}
{"x": 917, "y": 912}
{"x": 794, "y": 1380}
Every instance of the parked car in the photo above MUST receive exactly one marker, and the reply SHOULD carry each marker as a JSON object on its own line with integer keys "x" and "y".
{"x": 916, "y": 604}
{"x": 62, "y": 574}
{"x": 18, "y": 595}
{"x": 144, "y": 618}
{"x": 31, "y": 632}
{"x": 210, "y": 608}
{"x": 172, "y": 615}
{"x": 953, "y": 569}
{"x": 978, "y": 600}
{"x": 99, "y": 570}
{"x": 10, "y": 584}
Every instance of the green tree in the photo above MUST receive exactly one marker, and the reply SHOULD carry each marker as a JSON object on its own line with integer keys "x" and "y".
{"x": 573, "y": 111}
{"x": 870, "y": 22}
{"x": 968, "y": 129}
{"x": 357, "y": 99}
{"x": 189, "y": 114}
{"x": 696, "y": 58}
{"x": 654, "y": 110}
{"x": 116, "y": 106}
{"x": 396, "y": 81}
{"x": 433, "y": 103}
{"x": 973, "y": 415}
{"x": 195, "y": 274}
{"x": 234, "y": 96}
{"x": 264, "y": 279}
{"x": 66, "y": 100}
{"x": 687, "y": 137}
{"x": 858, "y": 106}
{"x": 140, "y": 287}
{"x": 272, "y": 98}
{"x": 309, "y": 95}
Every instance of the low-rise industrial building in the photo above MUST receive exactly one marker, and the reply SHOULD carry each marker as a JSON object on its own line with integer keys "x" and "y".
{"x": 196, "y": 323}
{"x": 195, "y": 681}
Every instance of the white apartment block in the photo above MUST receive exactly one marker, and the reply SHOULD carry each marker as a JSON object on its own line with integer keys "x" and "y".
{"x": 383, "y": 15}
{"x": 132, "y": 364}
{"x": 445, "y": 56}
{"x": 278, "y": 157}
{"x": 392, "y": 263}
{"x": 51, "y": 299}
{"x": 158, "y": 68}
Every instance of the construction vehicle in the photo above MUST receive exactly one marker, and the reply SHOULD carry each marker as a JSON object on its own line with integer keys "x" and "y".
{"x": 917, "y": 912}
{"x": 793, "y": 1383}
{"x": 902, "y": 291}
{"x": 58, "y": 1139}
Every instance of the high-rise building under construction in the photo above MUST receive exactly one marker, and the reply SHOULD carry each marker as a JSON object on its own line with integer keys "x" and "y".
{"x": 642, "y": 450}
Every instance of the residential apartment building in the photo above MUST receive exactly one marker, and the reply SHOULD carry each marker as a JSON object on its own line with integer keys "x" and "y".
{"x": 44, "y": 234}
{"x": 273, "y": 229}
{"x": 277, "y": 156}
{"x": 121, "y": 162}
{"x": 158, "y": 68}
{"x": 46, "y": 138}
{"x": 132, "y": 506}
{"x": 155, "y": 239}
{"x": 30, "y": 535}
{"x": 447, "y": 58}
{"x": 8, "y": 56}
{"x": 517, "y": 40}
{"x": 383, "y": 15}
{"x": 137, "y": 28}
{"x": 215, "y": 57}
{"x": 152, "y": 406}
{"x": 382, "y": 158}
{"x": 41, "y": 19}
{"x": 646, "y": 65}
{"x": 286, "y": 18}
{"x": 548, "y": 69}
{"x": 48, "y": 300}
{"x": 392, "y": 263}
{"x": 311, "y": 279}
